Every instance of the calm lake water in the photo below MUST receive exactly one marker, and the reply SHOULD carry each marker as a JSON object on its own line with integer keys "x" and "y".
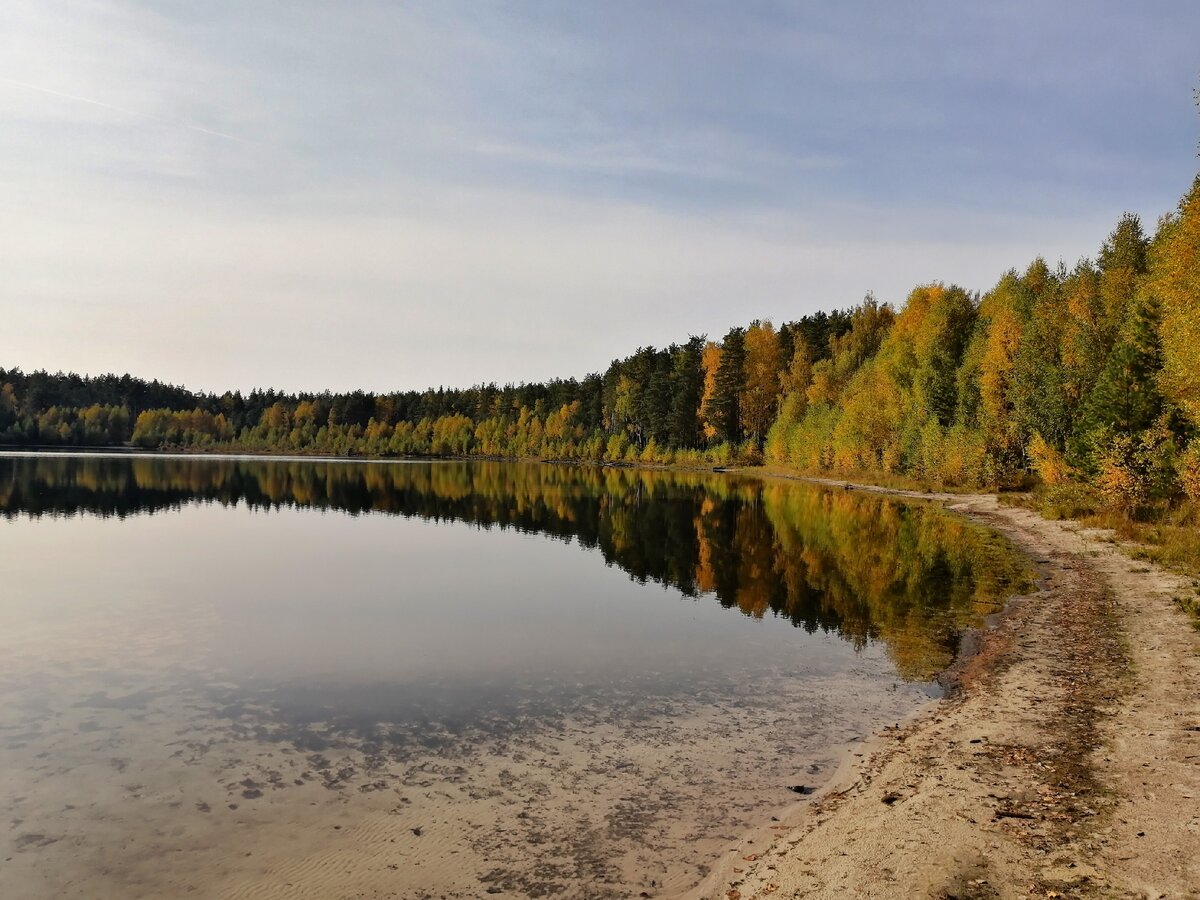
{"x": 292, "y": 678}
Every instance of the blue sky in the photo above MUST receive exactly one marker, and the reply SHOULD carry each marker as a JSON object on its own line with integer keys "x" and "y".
{"x": 391, "y": 195}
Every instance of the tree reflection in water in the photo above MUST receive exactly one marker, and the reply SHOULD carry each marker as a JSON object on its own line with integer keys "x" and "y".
{"x": 864, "y": 567}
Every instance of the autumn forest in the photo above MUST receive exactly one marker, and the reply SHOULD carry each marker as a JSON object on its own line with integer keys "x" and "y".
{"x": 1087, "y": 373}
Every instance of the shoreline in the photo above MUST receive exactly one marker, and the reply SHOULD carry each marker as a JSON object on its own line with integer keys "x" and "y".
{"x": 1065, "y": 762}
{"x": 854, "y": 757}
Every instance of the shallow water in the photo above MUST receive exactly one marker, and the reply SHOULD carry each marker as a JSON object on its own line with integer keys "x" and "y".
{"x": 299, "y": 678}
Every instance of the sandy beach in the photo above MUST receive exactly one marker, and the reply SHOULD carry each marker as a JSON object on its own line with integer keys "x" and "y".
{"x": 1066, "y": 761}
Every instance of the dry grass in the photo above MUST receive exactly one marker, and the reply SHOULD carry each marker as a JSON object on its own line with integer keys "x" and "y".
{"x": 880, "y": 479}
{"x": 1167, "y": 534}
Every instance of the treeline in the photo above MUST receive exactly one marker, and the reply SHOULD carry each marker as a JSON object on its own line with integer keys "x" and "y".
{"x": 699, "y": 401}
{"x": 1084, "y": 374}
{"x": 1089, "y": 374}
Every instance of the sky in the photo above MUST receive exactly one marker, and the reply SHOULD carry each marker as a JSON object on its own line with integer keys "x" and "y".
{"x": 393, "y": 195}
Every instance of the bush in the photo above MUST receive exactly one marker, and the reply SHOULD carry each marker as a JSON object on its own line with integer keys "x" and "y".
{"x": 1071, "y": 500}
{"x": 1188, "y": 470}
{"x": 721, "y": 454}
{"x": 618, "y": 446}
{"x": 1123, "y": 479}
{"x": 748, "y": 453}
{"x": 1049, "y": 464}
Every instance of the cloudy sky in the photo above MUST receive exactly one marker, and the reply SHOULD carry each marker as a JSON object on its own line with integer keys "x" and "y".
{"x": 419, "y": 192}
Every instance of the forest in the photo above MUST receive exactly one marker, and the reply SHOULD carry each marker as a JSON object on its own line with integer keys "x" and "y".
{"x": 1088, "y": 374}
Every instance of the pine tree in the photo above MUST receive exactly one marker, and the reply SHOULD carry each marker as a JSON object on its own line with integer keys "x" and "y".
{"x": 659, "y": 396}
{"x": 1126, "y": 398}
{"x": 688, "y": 382}
{"x": 730, "y": 382}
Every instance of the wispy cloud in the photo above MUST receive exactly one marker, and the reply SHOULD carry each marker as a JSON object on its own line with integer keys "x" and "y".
{"x": 692, "y": 162}
{"x": 75, "y": 98}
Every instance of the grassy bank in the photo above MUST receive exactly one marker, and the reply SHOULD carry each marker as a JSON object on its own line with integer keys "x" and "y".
{"x": 1167, "y": 534}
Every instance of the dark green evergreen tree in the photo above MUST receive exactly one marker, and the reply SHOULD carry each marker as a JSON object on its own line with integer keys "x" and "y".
{"x": 1126, "y": 398}
{"x": 730, "y": 381}
{"x": 659, "y": 396}
{"x": 688, "y": 380}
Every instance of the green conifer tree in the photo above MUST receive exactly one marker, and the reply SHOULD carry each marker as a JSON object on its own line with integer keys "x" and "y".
{"x": 730, "y": 382}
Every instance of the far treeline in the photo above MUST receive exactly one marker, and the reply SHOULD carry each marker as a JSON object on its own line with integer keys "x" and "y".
{"x": 1086, "y": 374}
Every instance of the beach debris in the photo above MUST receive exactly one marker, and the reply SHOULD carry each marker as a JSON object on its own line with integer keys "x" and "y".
{"x": 1013, "y": 814}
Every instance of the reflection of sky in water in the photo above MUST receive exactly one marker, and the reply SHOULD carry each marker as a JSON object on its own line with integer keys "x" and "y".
{"x": 395, "y": 618}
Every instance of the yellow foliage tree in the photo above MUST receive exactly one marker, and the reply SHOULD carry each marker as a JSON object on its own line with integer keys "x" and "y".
{"x": 1175, "y": 280}
{"x": 710, "y": 362}
{"x": 760, "y": 395}
{"x": 1002, "y": 343}
{"x": 1048, "y": 462}
{"x": 796, "y": 378}
{"x": 1189, "y": 471}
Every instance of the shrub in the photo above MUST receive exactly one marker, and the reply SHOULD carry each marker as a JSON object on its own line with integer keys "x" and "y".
{"x": 1123, "y": 479}
{"x": 720, "y": 455}
{"x": 618, "y": 446}
{"x": 1188, "y": 470}
{"x": 1072, "y": 500}
{"x": 1049, "y": 464}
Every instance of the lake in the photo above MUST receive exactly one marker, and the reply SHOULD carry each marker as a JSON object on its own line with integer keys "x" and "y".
{"x": 307, "y": 678}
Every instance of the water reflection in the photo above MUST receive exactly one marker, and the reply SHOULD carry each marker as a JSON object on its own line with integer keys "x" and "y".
{"x": 860, "y": 566}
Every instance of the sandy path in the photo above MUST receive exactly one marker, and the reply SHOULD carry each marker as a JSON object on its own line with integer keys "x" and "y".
{"x": 1067, "y": 764}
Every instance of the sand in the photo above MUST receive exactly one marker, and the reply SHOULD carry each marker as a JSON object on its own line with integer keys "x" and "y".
{"x": 1065, "y": 763}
